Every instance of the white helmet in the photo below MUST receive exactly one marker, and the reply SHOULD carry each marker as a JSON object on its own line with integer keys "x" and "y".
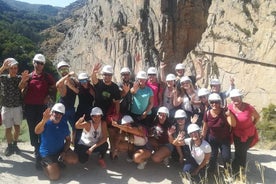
{"x": 125, "y": 70}
{"x": 12, "y": 62}
{"x": 152, "y": 70}
{"x": 215, "y": 82}
{"x": 62, "y": 63}
{"x": 180, "y": 66}
{"x": 59, "y": 107}
{"x": 203, "y": 92}
{"x": 214, "y": 97}
{"x": 163, "y": 109}
{"x": 192, "y": 128}
{"x": 180, "y": 113}
{"x": 235, "y": 93}
{"x": 83, "y": 76}
{"x": 96, "y": 111}
{"x": 185, "y": 78}
{"x": 107, "y": 69}
{"x": 170, "y": 77}
{"x": 141, "y": 75}
{"x": 39, "y": 58}
{"x": 127, "y": 119}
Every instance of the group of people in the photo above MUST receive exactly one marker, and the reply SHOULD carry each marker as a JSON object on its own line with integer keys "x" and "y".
{"x": 152, "y": 117}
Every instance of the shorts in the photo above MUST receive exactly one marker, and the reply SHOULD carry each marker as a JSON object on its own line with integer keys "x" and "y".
{"x": 50, "y": 159}
{"x": 11, "y": 116}
{"x": 168, "y": 145}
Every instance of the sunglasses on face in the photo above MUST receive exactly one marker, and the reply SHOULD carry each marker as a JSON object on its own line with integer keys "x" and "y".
{"x": 180, "y": 119}
{"x": 39, "y": 63}
{"x": 202, "y": 97}
{"x": 58, "y": 113}
{"x": 214, "y": 102}
{"x": 125, "y": 74}
{"x": 83, "y": 81}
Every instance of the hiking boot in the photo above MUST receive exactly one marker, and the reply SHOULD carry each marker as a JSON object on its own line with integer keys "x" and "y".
{"x": 9, "y": 150}
{"x": 16, "y": 149}
{"x": 102, "y": 163}
{"x": 142, "y": 165}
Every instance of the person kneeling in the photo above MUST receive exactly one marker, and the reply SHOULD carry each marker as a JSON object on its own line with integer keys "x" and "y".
{"x": 93, "y": 138}
{"x": 200, "y": 150}
{"x": 54, "y": 130}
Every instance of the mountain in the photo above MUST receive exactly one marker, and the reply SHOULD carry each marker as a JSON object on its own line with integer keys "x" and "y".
{"x": 35, "y": 8}
{"x": 233, "y": 38}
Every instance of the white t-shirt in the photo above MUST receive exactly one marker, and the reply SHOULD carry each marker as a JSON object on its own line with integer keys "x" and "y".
{"x": 198, "y": 152}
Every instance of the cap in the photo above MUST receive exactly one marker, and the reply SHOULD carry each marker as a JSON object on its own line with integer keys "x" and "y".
{"x": 125, "y": 70}
{"x": 170, "y": 77}
{"x": 180, "y": 66}
{"x": 83, "y": 76}
{"x": 215, "y": 82}
{"x": 62, "y": 63}
{"x": 203, "y": 92}
{"x": 192, "y": 128}
{"x": 126, "y": 119}
{"x": 12, "y": 62}
{"x": 96, "y": 111}
{"x": 152, "y": 70}
{"x": 107, "y": 69}
{"x": 141, "y": 75}
{"x": 180, "y": 113}
{"x": 59, "y": 107}
{"x": 214, "y": 97}
{"x": 235, "y": 93}
{"x": 185, "y": 78}
{"x": 39, "y": 58}
{"x": 163, "y": 109}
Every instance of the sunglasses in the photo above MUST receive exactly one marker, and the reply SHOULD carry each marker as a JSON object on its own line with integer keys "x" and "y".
{"x": 125, "y": 74}
{"x": 180, "y": 119}
{"x": 59, "y": 113}
{"x": 214, "y": 102}
{"x": 83, "y": 81}
{"x": 202, "y": 96}
{"x": 39, "y": 63}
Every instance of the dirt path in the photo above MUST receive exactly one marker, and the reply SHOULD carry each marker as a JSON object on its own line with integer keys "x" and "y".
{"x": 20, "y": 169}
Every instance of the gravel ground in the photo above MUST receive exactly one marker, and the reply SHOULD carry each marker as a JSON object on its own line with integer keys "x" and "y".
{"x": 20, "y": 169}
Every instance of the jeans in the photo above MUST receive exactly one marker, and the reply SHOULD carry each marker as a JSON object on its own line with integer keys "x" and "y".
{"x": 225, "y": 149}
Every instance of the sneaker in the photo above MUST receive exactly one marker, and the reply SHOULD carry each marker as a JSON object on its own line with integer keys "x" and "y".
{"x": 8, "y": 151}
{"x": 166, "y": 162}
{"x": 16, "y": 149}
{"x": 142, "y": 165}
{"x": 102, "y": 163}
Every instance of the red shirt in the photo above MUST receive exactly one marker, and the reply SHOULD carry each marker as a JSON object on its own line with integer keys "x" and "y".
{"x": 38, "y": 88}
{"x": 245, "y": 127}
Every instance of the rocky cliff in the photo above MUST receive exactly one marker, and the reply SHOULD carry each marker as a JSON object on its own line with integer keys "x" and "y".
{"x": 235, "y": 38}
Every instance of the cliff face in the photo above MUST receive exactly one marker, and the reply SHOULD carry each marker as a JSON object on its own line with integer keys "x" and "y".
{"x": 234, "y": 38}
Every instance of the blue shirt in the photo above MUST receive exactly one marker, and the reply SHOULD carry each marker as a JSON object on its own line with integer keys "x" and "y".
{"x": 141, "y": 100}
{"x": 53, "y": 137}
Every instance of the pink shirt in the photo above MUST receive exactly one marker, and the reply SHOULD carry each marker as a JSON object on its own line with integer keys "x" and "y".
{"x": 156, "y": 88}
{"x": 245, "y": 127}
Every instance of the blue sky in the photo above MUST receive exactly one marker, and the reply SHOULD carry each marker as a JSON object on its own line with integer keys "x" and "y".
{"x": 60, "y": 3}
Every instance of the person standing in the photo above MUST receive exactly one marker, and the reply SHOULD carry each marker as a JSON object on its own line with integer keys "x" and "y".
{"x": 125, "y": 85}
{"x": 55, "y": 141}
{"x": 245, "y": 134}
{"x": 37, "y": 90}
{"x": 142, "y": 100}
{"x": 67, "y": 88}
{"x": 107, "y": 97}
{"x": 217, "y": 122}
{"x": 93, "y": 138}
{"x": 11, "y": 110}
